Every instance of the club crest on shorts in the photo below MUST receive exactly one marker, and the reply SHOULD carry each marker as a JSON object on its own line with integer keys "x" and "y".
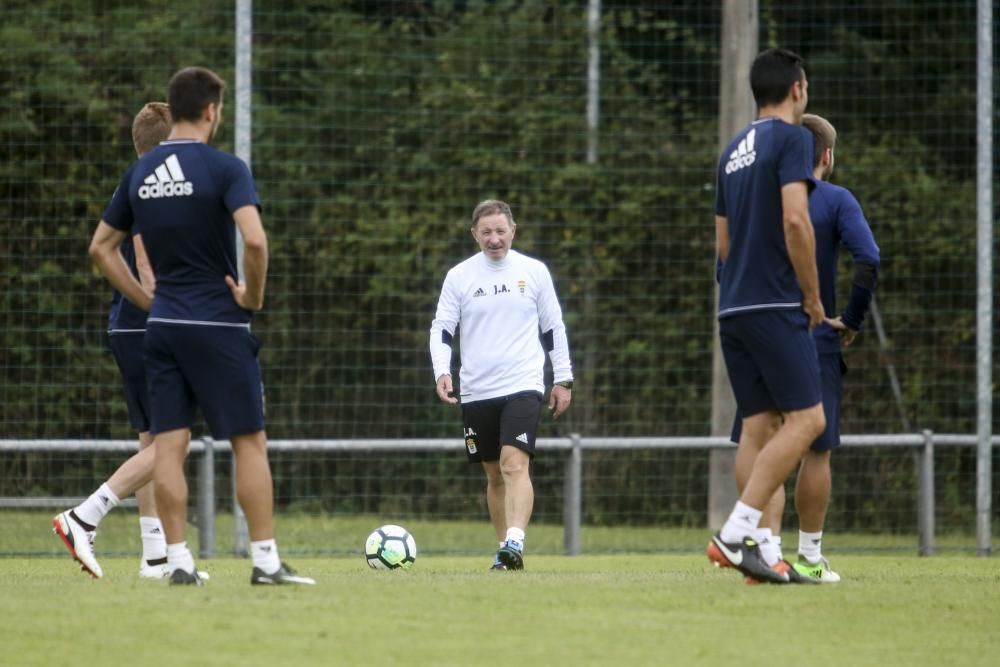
{"x": 470, "y": 440}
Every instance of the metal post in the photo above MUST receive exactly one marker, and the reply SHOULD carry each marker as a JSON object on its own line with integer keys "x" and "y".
{"x": 925, "y": 496}
{"x": 593, "y": 77}
{"x": 241, "y": 535}
{"x": 586, "y": 358}
{"x": 244, "y": 46}
{"x": 984, "y": 273}
{"x": 206, "y": 500}
{"x": 572, "y": 498}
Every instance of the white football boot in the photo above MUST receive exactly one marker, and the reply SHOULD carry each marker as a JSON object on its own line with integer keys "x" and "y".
{"x": 79, "y": 541}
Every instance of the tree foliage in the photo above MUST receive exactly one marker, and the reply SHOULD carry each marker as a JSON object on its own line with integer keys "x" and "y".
{"x": 377, "y": 126}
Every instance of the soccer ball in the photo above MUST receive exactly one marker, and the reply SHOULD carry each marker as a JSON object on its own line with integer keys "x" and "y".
{"x": 389, "y": 548}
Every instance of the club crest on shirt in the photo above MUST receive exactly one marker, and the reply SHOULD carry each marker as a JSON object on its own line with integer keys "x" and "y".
{"x": 521, "y": 284}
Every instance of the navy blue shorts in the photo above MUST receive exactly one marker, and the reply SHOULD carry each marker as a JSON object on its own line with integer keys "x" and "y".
{"x": 506, "y": 420}
{"x": 772, "y": 361}
{"x": 127, "y": 350}
{"x": 832, "y": 369}
{"x": 214, "y": 368}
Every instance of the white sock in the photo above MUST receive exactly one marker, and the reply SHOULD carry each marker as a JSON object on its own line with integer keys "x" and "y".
{"x": 179, "y": 558}
{"x": 154, "y": 542}
{"x": 503, "y": 542}
{"x": 768, "y": 549}
{"x": 265, "y": 555}
{"x": 516, "y": 534}
{"x": 743, "y": 521}
{"x": 811, "y": 546}
{"x": 100, "y": 502}
{"x": 776, "y": 539}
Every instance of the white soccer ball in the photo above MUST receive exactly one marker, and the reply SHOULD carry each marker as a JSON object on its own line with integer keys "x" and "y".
{"x": 390, "y": 547}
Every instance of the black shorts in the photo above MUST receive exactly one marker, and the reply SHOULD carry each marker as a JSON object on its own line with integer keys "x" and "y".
{"x": 507, "y": 420}
{"x": 127, "y": 350}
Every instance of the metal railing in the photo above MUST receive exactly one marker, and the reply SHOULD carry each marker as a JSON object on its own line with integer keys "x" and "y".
{"x": 575, "y": 445}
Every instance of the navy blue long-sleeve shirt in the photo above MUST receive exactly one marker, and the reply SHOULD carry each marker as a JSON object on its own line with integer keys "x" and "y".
{"x": 838, "y": 221}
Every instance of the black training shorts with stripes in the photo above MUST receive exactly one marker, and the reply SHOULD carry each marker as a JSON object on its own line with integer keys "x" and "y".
{"x": 508, "y": 420}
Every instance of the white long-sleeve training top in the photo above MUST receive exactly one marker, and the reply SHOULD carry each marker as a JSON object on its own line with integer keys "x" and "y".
{"x": 506, "y": 310}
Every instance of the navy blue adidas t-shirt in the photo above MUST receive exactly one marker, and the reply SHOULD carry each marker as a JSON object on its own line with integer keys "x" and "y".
{"x": 124, "y": 316}
{"x": 180, "y": 197}
{"x": 758, "y": 274}
{"x": 837, "y": 220}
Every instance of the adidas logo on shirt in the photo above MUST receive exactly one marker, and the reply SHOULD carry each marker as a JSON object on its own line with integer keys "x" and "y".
{"x": 522, "y": 438}
{"x": 167, "y": 180}
{"x": 744, "y": 155}
{"x": 479, "y": 292}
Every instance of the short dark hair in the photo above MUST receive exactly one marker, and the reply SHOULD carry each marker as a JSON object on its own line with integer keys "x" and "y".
{"x": 772, "y": 74}
{"x": 191, "y": 90}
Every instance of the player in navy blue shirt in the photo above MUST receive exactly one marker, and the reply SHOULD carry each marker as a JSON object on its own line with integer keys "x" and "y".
{"x": 186, "y": 200}
{"x": 768, "y": 302}
{"x": 838, "y": 222}
{"x": 126, "y": 326}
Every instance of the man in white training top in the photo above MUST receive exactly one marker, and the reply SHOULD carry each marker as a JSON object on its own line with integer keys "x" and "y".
{"x": 509, "y": 316}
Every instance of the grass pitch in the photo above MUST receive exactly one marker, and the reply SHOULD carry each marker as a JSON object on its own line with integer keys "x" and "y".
{"x": 26, "y": 533}
{"x": 670, "y": 609}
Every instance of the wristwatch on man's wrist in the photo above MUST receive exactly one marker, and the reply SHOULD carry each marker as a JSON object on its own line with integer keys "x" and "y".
{"x": 568, "y": 384}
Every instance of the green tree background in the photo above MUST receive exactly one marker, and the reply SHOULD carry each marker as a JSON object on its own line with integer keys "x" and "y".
{"x": 377, "y": 127}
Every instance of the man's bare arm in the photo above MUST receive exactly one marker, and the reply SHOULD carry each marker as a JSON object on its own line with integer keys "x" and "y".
{"x": 801, "y": 243}
{"x": 722, "y": 238}
{"x": 146, "y": 276}
{"x": 249, "y": 293}
{"x": 104, "y": 250}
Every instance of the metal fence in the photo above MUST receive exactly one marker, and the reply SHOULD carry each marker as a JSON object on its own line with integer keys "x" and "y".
{"x": 368, "y": 122}
{"x": 206, "y": 451}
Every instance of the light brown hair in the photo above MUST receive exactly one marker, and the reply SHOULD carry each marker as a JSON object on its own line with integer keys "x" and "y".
{"x": 491, "y": 207}
{"x": 151, "y": 126}
{"x": 824, "y": 135}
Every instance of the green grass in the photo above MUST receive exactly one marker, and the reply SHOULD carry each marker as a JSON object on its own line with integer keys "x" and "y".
{"x": 592, "y": 610}
{"x": 666, "y": 606}
{"x": 325, "y": 535}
